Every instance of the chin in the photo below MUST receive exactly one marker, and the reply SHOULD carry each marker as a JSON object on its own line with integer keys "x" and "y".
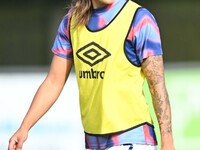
{"x": 107, "y": 1}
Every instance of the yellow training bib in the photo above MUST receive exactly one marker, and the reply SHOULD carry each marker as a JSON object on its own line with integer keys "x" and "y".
{"x": 111, "y": 97}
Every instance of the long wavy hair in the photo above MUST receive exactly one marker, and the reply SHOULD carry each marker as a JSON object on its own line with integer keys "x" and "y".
{"x": 81, "y": 11}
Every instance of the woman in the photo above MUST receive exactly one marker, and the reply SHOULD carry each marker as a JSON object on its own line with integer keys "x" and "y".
{"x": 114, "y": 45}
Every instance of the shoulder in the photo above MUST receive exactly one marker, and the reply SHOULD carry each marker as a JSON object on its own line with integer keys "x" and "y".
{"x": 65, "y": 23}
{"x": 66, "y": 19}
{"x": 144, "y": 15}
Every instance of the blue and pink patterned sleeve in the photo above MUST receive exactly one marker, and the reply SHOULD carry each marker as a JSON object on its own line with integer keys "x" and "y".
{"x": 145, "y": 35}
{"x": 62, "y": 46}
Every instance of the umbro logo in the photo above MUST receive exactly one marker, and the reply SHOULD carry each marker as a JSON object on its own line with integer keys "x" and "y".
{"x": 92, "y": 54}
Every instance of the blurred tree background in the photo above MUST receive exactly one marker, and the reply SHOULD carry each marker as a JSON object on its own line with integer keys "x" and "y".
{"x": 28, "y": 29}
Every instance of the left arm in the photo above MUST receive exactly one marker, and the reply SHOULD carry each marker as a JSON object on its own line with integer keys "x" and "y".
{"x": 154, "y": 72}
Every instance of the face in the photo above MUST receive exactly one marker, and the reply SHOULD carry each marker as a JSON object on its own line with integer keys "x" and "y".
{"x": 101, "y": 3}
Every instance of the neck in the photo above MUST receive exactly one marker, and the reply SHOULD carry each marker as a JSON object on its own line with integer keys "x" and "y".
{"x": 97, "y": 4}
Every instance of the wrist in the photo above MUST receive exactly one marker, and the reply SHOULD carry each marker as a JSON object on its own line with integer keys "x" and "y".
{"x": 167, "y": 139}
{"x": 25, "y": 127}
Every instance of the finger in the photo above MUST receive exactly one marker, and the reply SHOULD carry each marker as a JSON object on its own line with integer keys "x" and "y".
{"x": 12, "y": 144}
{"x": 19, "y": 145}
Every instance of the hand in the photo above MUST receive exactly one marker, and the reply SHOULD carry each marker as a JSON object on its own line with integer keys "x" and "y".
{"x": 17, "y": 140}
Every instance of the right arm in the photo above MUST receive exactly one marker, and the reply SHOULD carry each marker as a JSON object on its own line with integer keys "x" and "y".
{"x": 44, "y": 98}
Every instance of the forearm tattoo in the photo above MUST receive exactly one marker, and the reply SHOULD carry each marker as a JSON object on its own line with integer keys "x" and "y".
{"x": 153, "y": 71}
